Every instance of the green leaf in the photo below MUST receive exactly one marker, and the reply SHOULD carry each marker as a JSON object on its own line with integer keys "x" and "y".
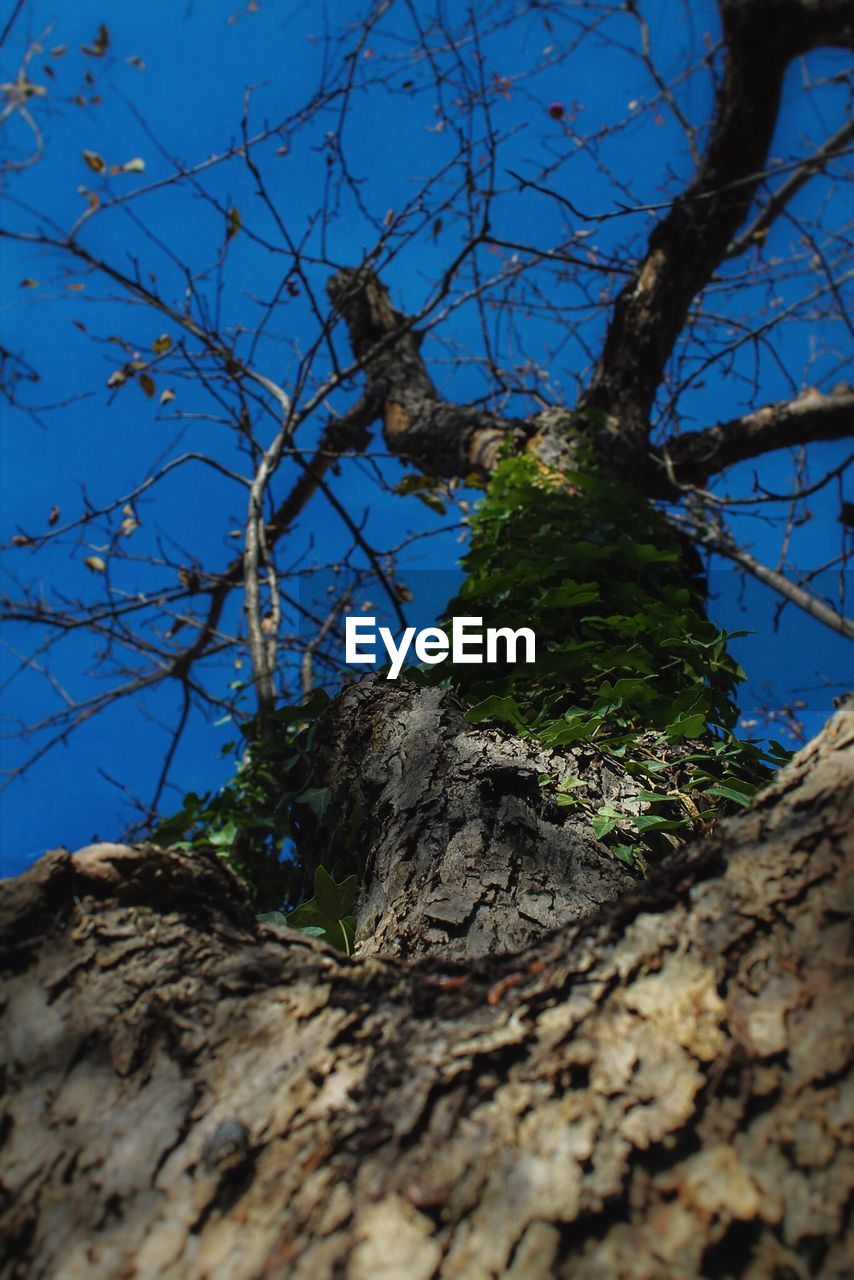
{"x": 729, "y": 793}
{"x": 224, "y": 837}
{"x": 603, "y": 826}
{"x": 569, "y": 595}
{"x": 414, "y": 482}
{"x": 495, "y": 708}
{"x": 652, "y": 822}
{"x": 433, "y": 501}
{"x": 273, "y": 917}
{"x": 688, "y": 727}
{"x": 328, "y": 914}
{"x": 317, "y": 799}
{"x": 334, "y": 900}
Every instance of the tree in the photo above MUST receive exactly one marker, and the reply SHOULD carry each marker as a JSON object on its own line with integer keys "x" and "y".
{"x": 582, "y": 1035}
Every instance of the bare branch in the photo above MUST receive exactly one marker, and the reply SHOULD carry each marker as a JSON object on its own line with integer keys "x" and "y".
{"x": 690, "y": 459}
{"x": 684, "y": 249}
{"x": 718, "y": 540}
{"x": 778, "y": 201}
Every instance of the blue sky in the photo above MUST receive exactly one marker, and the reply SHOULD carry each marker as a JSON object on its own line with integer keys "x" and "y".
{"x": 175, "y": 77}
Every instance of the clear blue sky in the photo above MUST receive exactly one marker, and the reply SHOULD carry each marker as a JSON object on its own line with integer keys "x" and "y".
{"x": 198, "y": 60}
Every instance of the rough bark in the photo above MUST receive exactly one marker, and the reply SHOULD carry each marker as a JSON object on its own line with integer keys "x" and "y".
{"x": 658, "y": 1091}
{"x": 463, "y": 853}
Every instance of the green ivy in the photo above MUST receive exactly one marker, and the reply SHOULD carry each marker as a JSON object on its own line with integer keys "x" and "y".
{"x": 252, "y": 820}
{"x": 328, "y": 915}
{"x": 627, "y": 660}
{"x": 628, "y": 666}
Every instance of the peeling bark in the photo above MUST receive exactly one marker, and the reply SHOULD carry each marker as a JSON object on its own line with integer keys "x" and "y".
{"x": 658, "y": 1091}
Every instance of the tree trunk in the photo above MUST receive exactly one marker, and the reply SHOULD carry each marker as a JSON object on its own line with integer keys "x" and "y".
{"x": 463, "y": 854}
{"x": 656, "y": 1090}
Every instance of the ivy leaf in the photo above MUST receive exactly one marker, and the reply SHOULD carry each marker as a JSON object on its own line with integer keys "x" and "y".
{"x": 274, "y": 917}
{"x": 607, "y": 818}
{"x": 495, "y": 708}
{"x": 729, "y": 793}
{"x": 652, "y": 822}
{"x": 334, "y": 900}
{"x": 433, "y": 501}
{"x": 317, "y": 799}
{"x": 224, "y": 837}
{"x": 413, "y": 482}
{"x": 688, "y": 727}
{"x": 327, "y": 914}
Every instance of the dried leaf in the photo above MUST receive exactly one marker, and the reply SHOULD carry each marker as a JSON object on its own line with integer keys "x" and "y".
{"x": 147, "y": 383}
{"x": 99, "y": 45}
{"x": 117, "y": 378}
{"x": 29, "y": 283}
{"x": 233, "y": 223}
{"x": 136, "y": 165}
{"x": 96, "y": 564}
{"x": 22, "y": 540}
{"x": 167, "y": 395}
{"x": 94, "y": 161}
{"x": 161, "y": 344}
{"x": 54, "y": 516}
{"x": 134, "y": 61}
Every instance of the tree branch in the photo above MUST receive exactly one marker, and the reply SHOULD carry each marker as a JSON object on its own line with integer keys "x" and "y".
{"x": 690, "y": 459}
{"x": 719, "y": 541}
{"x": 777, "y": 202}
{"x": 686, "y": 246}
{"x": 442, "y": 438}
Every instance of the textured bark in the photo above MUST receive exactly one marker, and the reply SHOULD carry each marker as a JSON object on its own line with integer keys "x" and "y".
{"x": 464, "y": 854}
{"x": 658, "y": 1091}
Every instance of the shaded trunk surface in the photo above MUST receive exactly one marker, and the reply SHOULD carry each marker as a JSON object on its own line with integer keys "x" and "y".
{"x": 463, "y": 853}
{"x": 657, "y": 1090}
